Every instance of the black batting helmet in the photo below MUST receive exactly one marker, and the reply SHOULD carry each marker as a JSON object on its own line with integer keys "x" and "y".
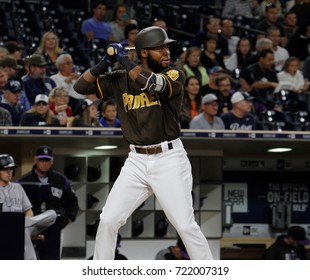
{"x": 7, "y": 161}
{"x": 151, "y": 37}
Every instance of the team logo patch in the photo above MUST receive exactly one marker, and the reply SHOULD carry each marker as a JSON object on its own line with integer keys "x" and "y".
{"x": 173, "y": 74}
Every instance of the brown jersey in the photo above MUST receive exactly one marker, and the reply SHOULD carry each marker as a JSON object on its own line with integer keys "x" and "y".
{"x": 145, "y": 120}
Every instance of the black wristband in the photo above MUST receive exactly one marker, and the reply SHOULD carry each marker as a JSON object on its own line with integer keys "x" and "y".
{"x": 99, "y": 68}
{"x": 128, "y": 64}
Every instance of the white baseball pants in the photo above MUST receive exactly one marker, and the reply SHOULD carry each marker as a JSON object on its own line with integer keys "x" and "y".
{"x": 167, "y": 175}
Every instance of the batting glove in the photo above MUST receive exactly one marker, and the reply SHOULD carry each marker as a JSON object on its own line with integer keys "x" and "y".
{"x": 117, "y": 51}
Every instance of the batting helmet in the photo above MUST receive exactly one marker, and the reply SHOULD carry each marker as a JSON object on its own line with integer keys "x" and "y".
{"x": 151, "y": 37}
{"x": 6, "y": 161}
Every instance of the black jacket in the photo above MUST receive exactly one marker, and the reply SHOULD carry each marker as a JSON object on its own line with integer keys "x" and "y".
{"x": 63, "y": 201}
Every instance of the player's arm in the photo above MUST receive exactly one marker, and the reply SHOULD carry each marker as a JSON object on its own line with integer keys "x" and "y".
{"x": 148, "y": 80}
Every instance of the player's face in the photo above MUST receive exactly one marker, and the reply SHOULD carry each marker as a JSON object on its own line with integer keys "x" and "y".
{"x": 158, "y": 58}
{"x": 6, "y": 176}
{"x": 43, "y": 164}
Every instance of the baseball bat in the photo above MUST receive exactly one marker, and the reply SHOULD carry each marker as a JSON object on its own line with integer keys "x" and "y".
{"x": 111, "y": 50}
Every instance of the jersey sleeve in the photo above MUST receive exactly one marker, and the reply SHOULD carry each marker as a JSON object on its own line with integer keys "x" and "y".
{"x": 175, "y": 82}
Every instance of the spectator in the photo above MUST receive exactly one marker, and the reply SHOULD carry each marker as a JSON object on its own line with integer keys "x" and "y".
{"x": 264, "y": 4}
{"x": 191, "y": 101}
{"x": 40, "y": 115}
{"x": 237, "y": 60}
{"x": 131, "y": 31}
{"x": 108, "y": 116}
{"x": 50, "y": 49}
{"x": 14, "y": 199}
{"x": 306, "y": 69}
{"x": 239, "y": 117}
{"x": 228, "y": 34}
{"x": 10, "y": 66}
{"x": 213, "y": 74}
{"x": 66, "y": 77}
{"x": 246, "y": 8}
{"x": 120, "y": 19}
{"x": 289, "y": 246}
{"x": 35, "y": 81}
{"x": 208, "y": 119}
{"x": 16, "y": 51}
{"x": 262, "y": 77}
{"x": 87, "y": 114}
{"x": 10, "y": 101}
{"x": 5, "y": 117}
{"x": 213, "y": 29}
{"x": 177, "y": 252}
{"x": 209, "y": 57}
{"x": 193, "y": 67}
{"x": 63, "y": 201}
{"x": 280, "y": 53}
{"x": 59, "y": 104}
{"x": 299, "y": 45}
{"x": 3, "y": 52}
{"x": 302, "y": 10}
{"x": 96, "y": 26}
{"x": 261, "y": 44}
{"x": 290, "y": 25}
{"x": 271, "y": 19}
{"x": 3, "y": 79}
{"x": 223, "y": 92}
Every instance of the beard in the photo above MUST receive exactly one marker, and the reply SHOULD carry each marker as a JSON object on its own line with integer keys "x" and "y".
{"x": 154, "y": 65}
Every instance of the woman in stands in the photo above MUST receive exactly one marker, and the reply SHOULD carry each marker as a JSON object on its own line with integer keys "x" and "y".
{"x": 50, "y": 49}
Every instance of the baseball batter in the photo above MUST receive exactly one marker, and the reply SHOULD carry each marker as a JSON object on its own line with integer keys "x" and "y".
{"x": 148, "y": 98}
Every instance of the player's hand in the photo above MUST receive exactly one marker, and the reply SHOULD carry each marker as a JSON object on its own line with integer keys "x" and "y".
{"x": 117, "y": 51}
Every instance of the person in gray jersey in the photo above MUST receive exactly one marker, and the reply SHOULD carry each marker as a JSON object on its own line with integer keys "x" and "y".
{"x": 14, "y": 199}
{"x": 208, "y": 119}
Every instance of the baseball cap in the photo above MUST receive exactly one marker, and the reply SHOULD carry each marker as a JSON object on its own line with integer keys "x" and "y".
{"x": 299, "y": 234}
{"x": 13, "y": 86}
{"x": 36, "y": 60}
{"x": 11, "y": 62}
{"x": 13, "y": 46}
{"x": 215, "y": 69}
{"x": 84, "y": 105}
{"x": 240, "y": 96}
{"x": 41, "y": 98}
{"x": 209, "y": 98}
{"x": 44, "y": 152}
{"x": 183, "y": 249}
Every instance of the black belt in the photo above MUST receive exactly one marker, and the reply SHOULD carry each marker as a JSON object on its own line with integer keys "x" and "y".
{"x": 152, "y": 150}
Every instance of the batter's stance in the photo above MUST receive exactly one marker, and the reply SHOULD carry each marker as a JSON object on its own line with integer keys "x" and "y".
{"x": 149, "y": 98}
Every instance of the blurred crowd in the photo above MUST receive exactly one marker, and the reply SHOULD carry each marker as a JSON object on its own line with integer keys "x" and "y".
{"x": 247, "y": 69}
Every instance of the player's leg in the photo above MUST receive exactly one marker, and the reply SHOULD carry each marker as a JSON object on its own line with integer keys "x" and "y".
{"x": 172, "y": 186}
{"x": 129, "y": 191}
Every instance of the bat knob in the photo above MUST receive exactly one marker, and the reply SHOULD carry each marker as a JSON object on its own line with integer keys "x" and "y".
{"x": 111, "y": 51}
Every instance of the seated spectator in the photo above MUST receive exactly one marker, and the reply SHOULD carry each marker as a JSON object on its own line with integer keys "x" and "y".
{"x": 120, "y": 19}
{"x": 108, "y": 116}
{"x": 299, "y": 45}
{"x": 49, "y": 48}
{"x": 213, "y": 29}
{"x": 306, "y": 69}
{"x": 5, "y": 117}
{"x": 191, "y": 104}
{"x": 131, "y": 31}
{"x": 280, "y": 53}
{"x": 10, "y": 66}
{"x": 246, "y": 8}
{"x": 213, "y": 74}
{"x": 223, "y": 92}
{"x": 41, "y": 115}
{"x": 228, "y": 34}
{"x": 261, "y": 44}
{"x": 208, "y": 119}
{"x": 290, "y": 25}
{"x": 302, "y": 10}
{"x": 10, "y": 101}
{"x": 3, "y": 80}
{"x": 236, "y": 61}
{"x": 14, "y": 199}
{"x": 87, "y": 114}
{"x": 239, "y": 117}
{"x": 177, "y": 252}
{"x": 16, "y": 51}
{"x": 96, "y": 26}
{"x": 262, "y": 77}
{"x": 209, "y": 57}
{"x": 264, "y": 4}
{"x": 59, "y": 104}
{"x": 271, "y": 19}
{"x": 35, "y": 81}
{"x": 66, "y": 77}
{"x": 289, "y": 246}
{"x": 193, "y": 67}
{"x": 3, "y": 52}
